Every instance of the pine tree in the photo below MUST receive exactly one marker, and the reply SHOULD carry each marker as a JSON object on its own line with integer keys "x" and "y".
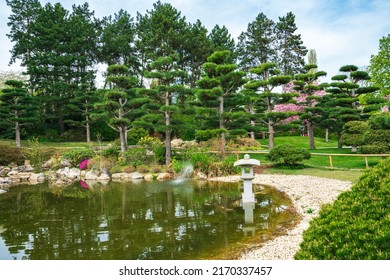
{"x": 122, "y": 103}
{"x": 216, "y": 94}
{"x": 342, "y": 105}
{"x": 164, "y": 71}
{"x": 24, "y": 13}
{"x": 291, "y": 51}
{"x": 308, "y": 85}
{"x": 17, "y": 107}
{"x": 118, "y": 41}
{"x": 266, "y": 78}
{"x": 257, "y": 44}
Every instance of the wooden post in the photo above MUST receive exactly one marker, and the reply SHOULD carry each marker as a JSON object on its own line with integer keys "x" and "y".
{"x": 366, "y": 159}
{"x": 330, "y": 161}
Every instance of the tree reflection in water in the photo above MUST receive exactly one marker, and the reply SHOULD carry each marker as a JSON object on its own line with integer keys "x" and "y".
{"x": 159, "y": 220}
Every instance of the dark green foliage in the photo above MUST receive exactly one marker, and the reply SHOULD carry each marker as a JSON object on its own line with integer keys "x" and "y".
{"x": 135, "y": 134}
{"x": 357, "y": 225}
{"x": 137, "y": 156}
{"x": 77, "y": 156}
{"x": 287, "y": 154}
{"x": 353, "y": 133}
{"x": 10, "y": 154}
{"x": 375, "y": 148}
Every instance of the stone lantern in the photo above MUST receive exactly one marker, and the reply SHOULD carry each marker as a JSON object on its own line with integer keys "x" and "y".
{"x": 247, "y": 176}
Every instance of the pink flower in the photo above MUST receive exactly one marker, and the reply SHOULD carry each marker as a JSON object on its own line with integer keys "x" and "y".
{"x": 83, "y": 164}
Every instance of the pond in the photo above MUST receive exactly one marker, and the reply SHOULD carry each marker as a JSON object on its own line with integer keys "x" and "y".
{"x": 179, "y": 219}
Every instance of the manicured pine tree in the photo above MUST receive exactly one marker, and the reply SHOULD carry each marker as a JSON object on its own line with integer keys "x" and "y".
{"x": 266, "y": 78}
{"x": 122, "y": 103}
{"x": 342, "y": 105}
{"x": 17, "y": 107}
{"x": 164, "y": 71}
{"x": 308, "y": 85}
{"x": 216, "y": 94}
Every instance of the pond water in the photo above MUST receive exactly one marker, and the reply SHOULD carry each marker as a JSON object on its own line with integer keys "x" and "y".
{"x": 180, "y": 219}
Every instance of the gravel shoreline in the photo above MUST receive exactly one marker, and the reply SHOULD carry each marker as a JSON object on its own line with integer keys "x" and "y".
{"x": 307, "y": 193}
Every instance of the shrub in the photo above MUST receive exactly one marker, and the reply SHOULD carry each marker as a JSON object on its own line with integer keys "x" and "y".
{"x": 202, "y": 162}
{"x": 375, "y": 148}
{"x": 226, "y": 167}
{"x": 353, "y": 133}
{"x": 287, "y": 154}
{"x": 9, "y": 154}
{"x": 111, "y": 152}
{"x": 356, "y": 226}
{"x": 137, "y": 156}
{"x": 77, "y": 156}
{"x": 135, "y": 134}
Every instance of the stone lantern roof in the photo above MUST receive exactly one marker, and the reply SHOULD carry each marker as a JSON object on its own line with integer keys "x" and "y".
{"x": 247, "y": 161}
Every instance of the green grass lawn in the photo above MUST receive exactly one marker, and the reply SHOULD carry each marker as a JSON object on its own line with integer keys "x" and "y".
{"x": 301, "y": 142}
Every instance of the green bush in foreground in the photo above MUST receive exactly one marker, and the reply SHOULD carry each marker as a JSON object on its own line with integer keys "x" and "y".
{"x": 357, "y": 225}
{"x": 287, "y": 154}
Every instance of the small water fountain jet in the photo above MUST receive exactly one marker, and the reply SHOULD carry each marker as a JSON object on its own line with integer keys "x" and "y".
{"x": 185, "y": 173}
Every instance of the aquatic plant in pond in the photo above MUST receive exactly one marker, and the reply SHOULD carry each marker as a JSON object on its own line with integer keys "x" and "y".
{"x": 159, "y": 220}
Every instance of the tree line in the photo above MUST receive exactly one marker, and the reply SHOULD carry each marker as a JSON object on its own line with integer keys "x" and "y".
{"x": 166, "y": 76}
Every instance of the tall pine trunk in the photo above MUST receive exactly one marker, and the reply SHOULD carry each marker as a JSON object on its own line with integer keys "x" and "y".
{"x": 88, "y": 129}
{"x": 271, "y": 137}
{"x": 310, "y": 129}
{"x": 168, "y": 133}
{"x": 17, "y": 134}
{"x": 122, "y": 136}
{"x": 222, "y": 126}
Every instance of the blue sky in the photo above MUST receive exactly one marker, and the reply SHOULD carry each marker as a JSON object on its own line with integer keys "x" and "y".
{"x": 341, "y": 32}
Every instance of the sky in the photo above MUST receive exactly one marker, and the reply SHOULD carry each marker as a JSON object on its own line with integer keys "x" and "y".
{"x": 341, "y": 31}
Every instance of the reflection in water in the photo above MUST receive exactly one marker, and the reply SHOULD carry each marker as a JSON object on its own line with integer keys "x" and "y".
{"x": 159, "y": 220}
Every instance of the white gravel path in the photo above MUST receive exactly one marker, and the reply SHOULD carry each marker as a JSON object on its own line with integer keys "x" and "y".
{"x": 306, "y": 192}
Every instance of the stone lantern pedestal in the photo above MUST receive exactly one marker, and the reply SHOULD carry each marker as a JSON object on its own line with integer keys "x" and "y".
{"x": 247, "y": 176}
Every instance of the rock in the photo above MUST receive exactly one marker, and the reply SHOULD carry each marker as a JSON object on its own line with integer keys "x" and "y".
{"x": 36, "y": 178}
{"x": 20, "y": 176}
{"x": 73, "y": 173}
{"x": 2, "y": 191}
{"x": 201, "y": 176}
{"x": 92, "y": 174}
{"x": 65, "y": 163}
{"x": 121, "y": 176}
{"x": 176, "y": 143}
{"x": 4, "y": 171}
{"x": 148, "y": 177}
{"x": 136, "y": 176}
{"x": 163, "y": 176}
{"x": 49, "y": 164}
{"x": 104, "y": 177}
{"x": 12, "y": 173}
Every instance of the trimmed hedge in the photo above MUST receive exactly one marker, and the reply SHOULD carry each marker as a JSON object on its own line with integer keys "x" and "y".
{"x": 357, "y": 225}
{"x": 287, "y": 154}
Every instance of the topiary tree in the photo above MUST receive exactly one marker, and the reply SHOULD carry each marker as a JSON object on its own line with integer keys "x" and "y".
{"x": 377, "y": 138}
{"x": 353, "y": 134}
{"x": 287, "y": 154}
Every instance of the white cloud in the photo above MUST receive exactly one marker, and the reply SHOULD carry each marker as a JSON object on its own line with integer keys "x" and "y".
{"x": 341, "y": 31}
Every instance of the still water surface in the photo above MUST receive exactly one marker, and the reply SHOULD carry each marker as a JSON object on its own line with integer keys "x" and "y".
{"x": 180, "y": 219}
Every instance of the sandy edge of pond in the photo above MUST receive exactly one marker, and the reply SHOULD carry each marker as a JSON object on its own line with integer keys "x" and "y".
{"x": 307, "y": 193}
